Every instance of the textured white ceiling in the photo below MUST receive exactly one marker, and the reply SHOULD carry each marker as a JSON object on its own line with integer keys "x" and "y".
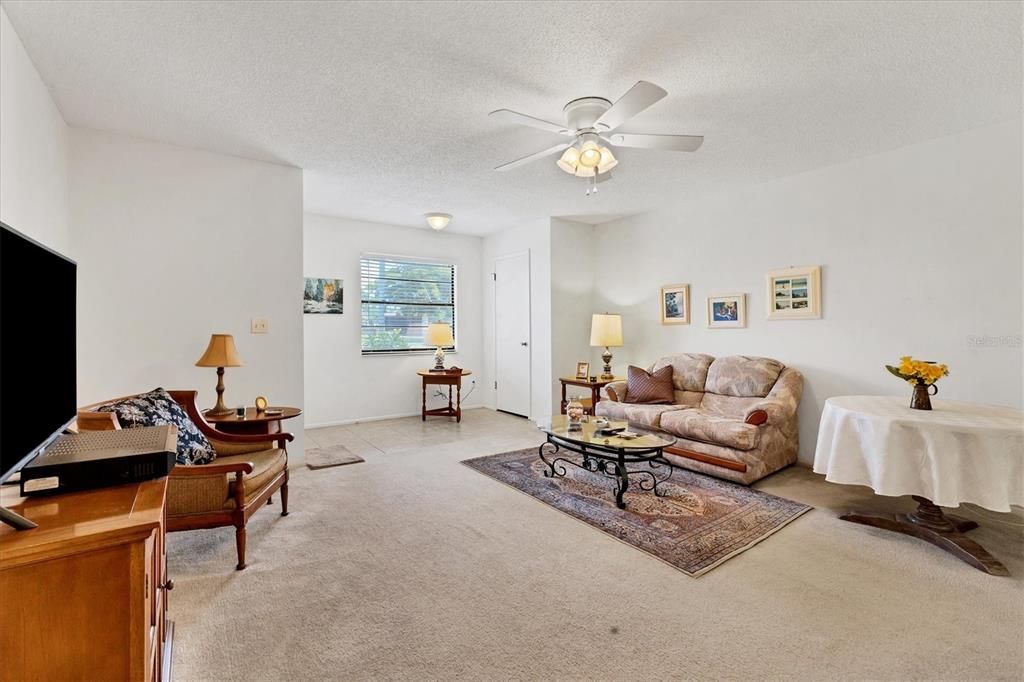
{"x": 385, "y": 104}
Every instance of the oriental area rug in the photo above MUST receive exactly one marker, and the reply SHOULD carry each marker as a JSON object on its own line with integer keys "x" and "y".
{"x": 698, "y": 523}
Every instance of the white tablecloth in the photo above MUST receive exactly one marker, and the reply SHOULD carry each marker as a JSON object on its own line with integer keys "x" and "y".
{"x": 957, "y": 452}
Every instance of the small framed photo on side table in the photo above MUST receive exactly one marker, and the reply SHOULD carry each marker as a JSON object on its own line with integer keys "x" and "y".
{"x": 582, "y": 370}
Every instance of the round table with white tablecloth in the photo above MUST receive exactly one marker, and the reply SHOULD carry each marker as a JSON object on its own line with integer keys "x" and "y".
{"x": 957, "y": 452}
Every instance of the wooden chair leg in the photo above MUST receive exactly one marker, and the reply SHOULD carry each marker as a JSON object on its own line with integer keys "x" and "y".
{"x": 270, "y": 500}
{"x": 284, "y": 498}
{"x": 240, "y": 546}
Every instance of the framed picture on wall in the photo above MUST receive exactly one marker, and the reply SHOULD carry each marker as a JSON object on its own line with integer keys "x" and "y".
{"x": 795, "y": 293}
{"x": 323, "y": 295}
{"x": 675, "y": 304}
{"x": 727, "y": 312}
{"x": 582, "y": 370}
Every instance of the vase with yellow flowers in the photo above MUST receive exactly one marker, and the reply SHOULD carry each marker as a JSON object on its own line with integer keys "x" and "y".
{"x": 922, "y": 375}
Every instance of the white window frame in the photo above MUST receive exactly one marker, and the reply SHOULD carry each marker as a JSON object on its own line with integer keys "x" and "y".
{"x": 449, "y": 350}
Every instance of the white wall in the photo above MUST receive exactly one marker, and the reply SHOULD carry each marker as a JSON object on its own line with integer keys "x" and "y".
{"x": 920, "y": 251}
{"x": 534, "y": 237}
{"x": 33, "y": 142}
{"x": 341, "y": 384}
{"x": 572, "y": 293}
{"x": 172, "y": 245}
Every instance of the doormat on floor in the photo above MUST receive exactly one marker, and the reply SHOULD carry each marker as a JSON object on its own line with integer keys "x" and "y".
{"x": 335, "y": 455}
{"x": 699, "y": 523}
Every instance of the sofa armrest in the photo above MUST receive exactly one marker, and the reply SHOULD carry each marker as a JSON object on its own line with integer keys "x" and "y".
{"x": 615, "y": 391}
{"x": 781, "y": 403}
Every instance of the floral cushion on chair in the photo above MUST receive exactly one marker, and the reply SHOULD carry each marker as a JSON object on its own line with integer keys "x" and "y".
{"x": 158, "y": 408}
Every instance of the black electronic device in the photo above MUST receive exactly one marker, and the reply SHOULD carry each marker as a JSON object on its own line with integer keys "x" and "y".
{"x": 96, "y": 459}
{"x": 37, "y": 352}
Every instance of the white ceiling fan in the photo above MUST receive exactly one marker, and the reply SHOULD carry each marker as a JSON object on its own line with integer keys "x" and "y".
{"x": 592, "y": 123}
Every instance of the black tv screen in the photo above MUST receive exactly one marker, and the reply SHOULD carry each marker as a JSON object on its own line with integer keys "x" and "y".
{"x": 37, "y": 347}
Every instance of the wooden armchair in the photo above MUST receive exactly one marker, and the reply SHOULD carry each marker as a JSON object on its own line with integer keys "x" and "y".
{"x": 248, "y": 470}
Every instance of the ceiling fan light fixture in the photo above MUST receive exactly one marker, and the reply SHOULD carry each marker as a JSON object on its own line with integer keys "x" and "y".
{"x": 608, "y": 161}
{"x": 570, "y": 159}
{"x": 590, "y": 154}
{"x": 438, "y": 221}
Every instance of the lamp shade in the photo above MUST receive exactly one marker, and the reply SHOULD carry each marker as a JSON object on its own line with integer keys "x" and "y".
{"x": 220, "y": 353}
{"x": 606, "y": 330}
{"x": 440, "y": 334}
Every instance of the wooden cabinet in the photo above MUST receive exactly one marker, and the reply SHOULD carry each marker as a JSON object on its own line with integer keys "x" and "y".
{"x": 84, "y": 595}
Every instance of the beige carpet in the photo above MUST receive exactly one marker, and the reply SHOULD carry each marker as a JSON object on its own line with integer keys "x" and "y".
{"x": 414, "y": 567}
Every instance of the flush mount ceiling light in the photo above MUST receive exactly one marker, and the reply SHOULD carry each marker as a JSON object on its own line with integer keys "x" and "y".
{"x": 591, "y": 122}
{"x": 438, "y": 221}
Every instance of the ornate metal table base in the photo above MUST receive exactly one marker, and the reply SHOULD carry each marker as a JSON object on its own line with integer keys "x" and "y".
{"x": 929, "y": 523}
{"x": 613, "y": 463}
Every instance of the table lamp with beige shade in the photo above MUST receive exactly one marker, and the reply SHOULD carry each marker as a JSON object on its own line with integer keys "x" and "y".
{"x": 606, "y": 330}
{"x": 439, "y": 334}
{"x": 220, "y": 353}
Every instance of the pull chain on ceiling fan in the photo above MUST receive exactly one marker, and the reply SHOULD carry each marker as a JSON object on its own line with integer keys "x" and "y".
{"x": 590, "y": 121}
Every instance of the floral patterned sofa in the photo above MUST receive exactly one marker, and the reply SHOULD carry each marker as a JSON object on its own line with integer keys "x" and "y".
{"x": 735, "y": 417}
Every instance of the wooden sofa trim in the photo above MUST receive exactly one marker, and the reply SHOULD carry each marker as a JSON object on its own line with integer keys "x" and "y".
{"x": 707, "y": 459}
{"x": 757, "y": 417}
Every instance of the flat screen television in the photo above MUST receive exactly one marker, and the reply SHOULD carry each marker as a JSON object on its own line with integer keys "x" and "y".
{"x": 37, "y": 348}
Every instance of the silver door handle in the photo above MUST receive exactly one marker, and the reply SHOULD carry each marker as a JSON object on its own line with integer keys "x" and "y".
{"x": 523, "y": 343}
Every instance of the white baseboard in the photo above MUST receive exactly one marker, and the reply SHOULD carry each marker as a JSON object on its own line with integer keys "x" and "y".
{"x": 379, "y": 418}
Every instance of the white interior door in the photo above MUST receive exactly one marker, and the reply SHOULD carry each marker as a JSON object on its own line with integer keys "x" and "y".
{"x": 512, "y": 333}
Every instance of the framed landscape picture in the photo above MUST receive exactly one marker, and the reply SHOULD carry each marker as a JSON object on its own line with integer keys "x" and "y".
{"x": 729, "y": 311}
{"x": 323, "y": 296}
{"x": 675, "y": 304}
{"x": 795, "y": 293}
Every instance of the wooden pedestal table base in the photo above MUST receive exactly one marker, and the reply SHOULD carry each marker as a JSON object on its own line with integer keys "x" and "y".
{"x": 930, "y": 524}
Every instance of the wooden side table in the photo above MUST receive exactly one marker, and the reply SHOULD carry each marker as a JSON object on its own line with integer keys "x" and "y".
{"x": 444, "y": 379}
{"x": 594, "y": 386}
{"x": 253, "y": 422}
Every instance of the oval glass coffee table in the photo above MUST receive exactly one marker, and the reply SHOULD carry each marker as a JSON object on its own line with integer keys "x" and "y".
{"x": 610, "y": 455}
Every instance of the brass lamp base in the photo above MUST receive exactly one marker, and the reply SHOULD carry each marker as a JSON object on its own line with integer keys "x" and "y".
{"x": 607, "y": 357}
{"x": 220, "y": 409}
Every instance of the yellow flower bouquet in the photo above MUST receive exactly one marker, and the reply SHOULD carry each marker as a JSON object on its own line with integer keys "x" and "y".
{"x": 922, "y": 375}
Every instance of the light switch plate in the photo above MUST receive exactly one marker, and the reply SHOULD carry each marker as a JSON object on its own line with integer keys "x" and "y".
{"x": 259, "y": 325}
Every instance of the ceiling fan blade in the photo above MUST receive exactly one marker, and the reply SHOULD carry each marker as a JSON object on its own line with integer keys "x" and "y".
{"x": 532, "y": 157}
{"x": 509, "y": 116}
{"x": 676, "y": 143}
{"x": 638, "y": 98}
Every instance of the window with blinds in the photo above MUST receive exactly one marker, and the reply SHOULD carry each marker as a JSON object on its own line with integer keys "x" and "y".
{"x": 400, "y": 299}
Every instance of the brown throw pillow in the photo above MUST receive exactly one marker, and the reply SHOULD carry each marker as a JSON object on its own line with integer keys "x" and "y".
{"x": 649, "y": 388}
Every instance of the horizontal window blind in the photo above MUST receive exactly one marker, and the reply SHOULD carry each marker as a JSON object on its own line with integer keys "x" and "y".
{"x": 400, "y": 298}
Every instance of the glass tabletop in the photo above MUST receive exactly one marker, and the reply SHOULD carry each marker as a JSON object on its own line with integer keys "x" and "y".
{"x": 558, "y": 426}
